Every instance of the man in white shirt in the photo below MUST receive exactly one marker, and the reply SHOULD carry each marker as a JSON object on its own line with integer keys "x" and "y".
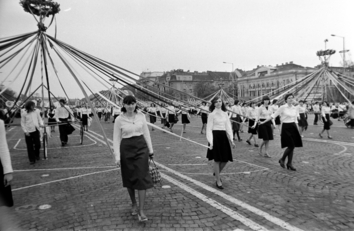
{"x": 62, "y": 114}
{"x": 31, "y": 122}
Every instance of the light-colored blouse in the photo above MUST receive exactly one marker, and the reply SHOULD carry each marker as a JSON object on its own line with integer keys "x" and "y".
{"x": 252, "y": 113}
{"x": 126, "y": 128}
{"x": 302, "y": 109}
{"x": 218, "y": 120}
{"x": 287, "y": 114}
{"x": 4, "y": 151}
{"x": 264, "y": 113}
{"x": 325, "y": 110}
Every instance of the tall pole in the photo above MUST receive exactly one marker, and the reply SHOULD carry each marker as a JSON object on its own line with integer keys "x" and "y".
{"x": 343, "y": 55}
{"x": 232, "y": 79}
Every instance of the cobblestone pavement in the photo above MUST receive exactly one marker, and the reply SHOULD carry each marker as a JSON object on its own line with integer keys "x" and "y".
{"x": 83, "y": 188}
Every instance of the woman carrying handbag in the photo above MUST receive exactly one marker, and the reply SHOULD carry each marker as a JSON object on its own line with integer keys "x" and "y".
{"x": 132, "y": 149}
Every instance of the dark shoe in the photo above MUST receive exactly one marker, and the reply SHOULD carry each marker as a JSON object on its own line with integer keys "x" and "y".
{"x": 290, "y": 167}
{"x": 248, "y": 142}
{"x": 32, "y": 162}
{"x": 281, "y": 163}
{"x": 256, "y": 145}
{"x": 219, "y": 187}
{"x": 330, "y": 137}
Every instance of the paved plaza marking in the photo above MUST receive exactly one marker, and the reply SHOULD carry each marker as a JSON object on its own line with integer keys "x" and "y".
{"x": 253, "y": 225}
{"x": 344, "y": 150}
{"x": 259, "y": 212}
{"x": 74, "y": 146}
{"x": 329, "y": 141}
{"x": 55, "y": 181}
{"x": 10, "y": 129}
{"x": 187, "y": 164}
{"x": 226, "y": 173}
{"x": 17, "y": 143}
{"x": 58, "y": 169}
{"x": 255, "y": 210}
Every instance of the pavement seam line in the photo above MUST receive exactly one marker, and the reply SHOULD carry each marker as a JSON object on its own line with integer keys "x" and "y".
{"x": 235, "y": 215}
{"x": 255, "y": 210}
{"x": 55, "y": 181}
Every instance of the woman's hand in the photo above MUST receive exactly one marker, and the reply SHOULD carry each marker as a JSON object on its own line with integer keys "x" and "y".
{"x": 151, "y": 155}
{"x": 27, "y": 134}
{"x": 233, "y": 144}
{"x": 211, "y": 147}
{"x": 118, "y": 163}
{"x": 7, "y": 179}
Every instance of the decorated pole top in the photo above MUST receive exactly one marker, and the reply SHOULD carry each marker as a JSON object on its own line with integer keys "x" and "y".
{"x": 42, "y": 9}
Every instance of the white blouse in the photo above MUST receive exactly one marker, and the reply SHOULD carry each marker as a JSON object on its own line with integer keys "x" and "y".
{"x": 171, "y": 110}
{"x": 31, "y": 121}
{"x": 236, "y": 110}
{"x": 325, "y": 110}
{"x": 287, "y": 114}
{"x": 252, "y": 113}
{"x": 218, "y": 121}
{"x": 204, "y": 109}
{"x": 4, "y": 151}
{"x": 264, "y": 113}
{"x": 126, "y": 128}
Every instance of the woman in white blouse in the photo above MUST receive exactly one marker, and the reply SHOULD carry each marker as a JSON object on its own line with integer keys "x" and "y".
{"x": 290, "y": 136}
{"x": 219, "y": 136}
{"x": 265, "y": 129}
{"x": 252, "y": 115}
{"x": 132, "y": 148}
{"x": 303, "y": 117}
{"x": 326, "y": 111}
{"x": 152, "y": 110}
{"x": 5, "y": 170}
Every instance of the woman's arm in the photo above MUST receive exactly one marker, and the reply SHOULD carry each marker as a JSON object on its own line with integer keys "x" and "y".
{"x": 209, "y": 129}
{"x": 146, "y": 134}
{"x": 4, "y": 150}
{"x": 117, "y": 137}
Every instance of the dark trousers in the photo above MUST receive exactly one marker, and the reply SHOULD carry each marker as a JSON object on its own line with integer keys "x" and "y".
{"x": 33, "y": 145}
{"x": 316, "y": 118}
{"x": 62, "y": 131}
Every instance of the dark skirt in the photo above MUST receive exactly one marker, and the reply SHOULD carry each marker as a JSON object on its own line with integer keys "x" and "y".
{"x": 52, "y": 121}
{"x": 163, "y": 120}
{"x": 99, "y": 114}
{"x": 84, "y": 119}
{"x": 5, "y": 192}
{"x": 171, "y": 118}
{"x": 326, "y": 125}
{"x": 277, "y": 120}
{"x": 250, "y": 129}
{"x": 152, "y": 118}
{"x": 290, "y": 136}
{"x": 185, "y": 119}
{"x": 236, "y": 125}
{"x": 204, "y": 118}
{"x": 303, "y": 121}
{"x": 221, "y": 151}
{"x": 265, "y": 131}
{"x": 134, "y": 154}
{"x": 350, "y": 123}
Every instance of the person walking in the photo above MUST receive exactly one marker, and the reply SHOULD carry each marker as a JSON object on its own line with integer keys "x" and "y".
{"x": 219, "y": 136}
{"x": 303, "y": 117}
{"x": 132, "y": 148}
{"x": 252, "y": 116}
{"x": 290, "y": 135}
{"x": 107, "y": 115}
{"x": 116, "y": 113}
{"x": 31, "y": 122}
{"x": 51, "y": 120}
{"x": 62, "y": 115}
{"x": 351, "y": 114}
{"x": 171, "y": 116}
{"x": 265, "y": 130}
{"x": 152, "y": 110}
{"x": 236, "y": 120}
{"x": 203, "y": 110}
{"x": 185, "y": 117}
{"x": 325, "y": 112}
{"x": 317, "y": 112}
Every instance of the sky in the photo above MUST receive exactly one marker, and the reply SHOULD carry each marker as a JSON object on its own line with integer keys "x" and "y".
{"x": 195, "y": 35}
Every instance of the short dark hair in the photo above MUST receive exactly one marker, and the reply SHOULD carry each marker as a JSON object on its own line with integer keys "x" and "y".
{"x": 288, "y": 95}
{"x": 212, "y": 106}
{"x": 236, "y": 101}
{"x": 325, "y": 102}
{"x": 129, "y": 99}
{"x": 29, "y": 105}
{"x": 62, "y": 101}
{"x": 265, "y": 98}
{"x": 204, "y": 103}
{"x": 274, "y": 101}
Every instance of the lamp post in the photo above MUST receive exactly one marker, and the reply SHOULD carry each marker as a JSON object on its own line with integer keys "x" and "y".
{"x": 233, "y": 83}
{"x": 326, "y": 40}
{"x": 343, "y": 51}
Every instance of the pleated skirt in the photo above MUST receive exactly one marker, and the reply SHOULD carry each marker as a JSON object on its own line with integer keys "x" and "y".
{"x": 265, "y": 131}
{"x": 204, "y": 118}
{"x": 235, "y": 123}
{"x": 326, "y": 124}
{"x": 185, "y": 119}
{"x": 84, "y": 119}
{"x": 5, "y": 192}
{"x": 134, "y": 154}
{"x": 303, "y": 121}
{"x": 290, "y": 136}
{"x": 171, "y": 118}
{"x": 250, "y": 129}
{"x": 152, "y": 118}
{"x": 221, "y": 151}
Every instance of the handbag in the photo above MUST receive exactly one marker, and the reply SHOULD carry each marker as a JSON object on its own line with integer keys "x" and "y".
{"x": 154, "y": 172}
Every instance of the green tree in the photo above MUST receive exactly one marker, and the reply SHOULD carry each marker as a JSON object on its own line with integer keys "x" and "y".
{"x": 203, "y": 89}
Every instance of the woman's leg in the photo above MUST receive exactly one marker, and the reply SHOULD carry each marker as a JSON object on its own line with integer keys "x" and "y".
{"x": 238, "y": 135}
{"x": 184, "y": 128}
{"x": 142, "y": 195}
{"x": 266, "y": 146}
{"x": 217, "y": 172}
{"x": 285, "y": 155}
{"x": 260, "y": 148}
{"x": 222, "y": 166}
